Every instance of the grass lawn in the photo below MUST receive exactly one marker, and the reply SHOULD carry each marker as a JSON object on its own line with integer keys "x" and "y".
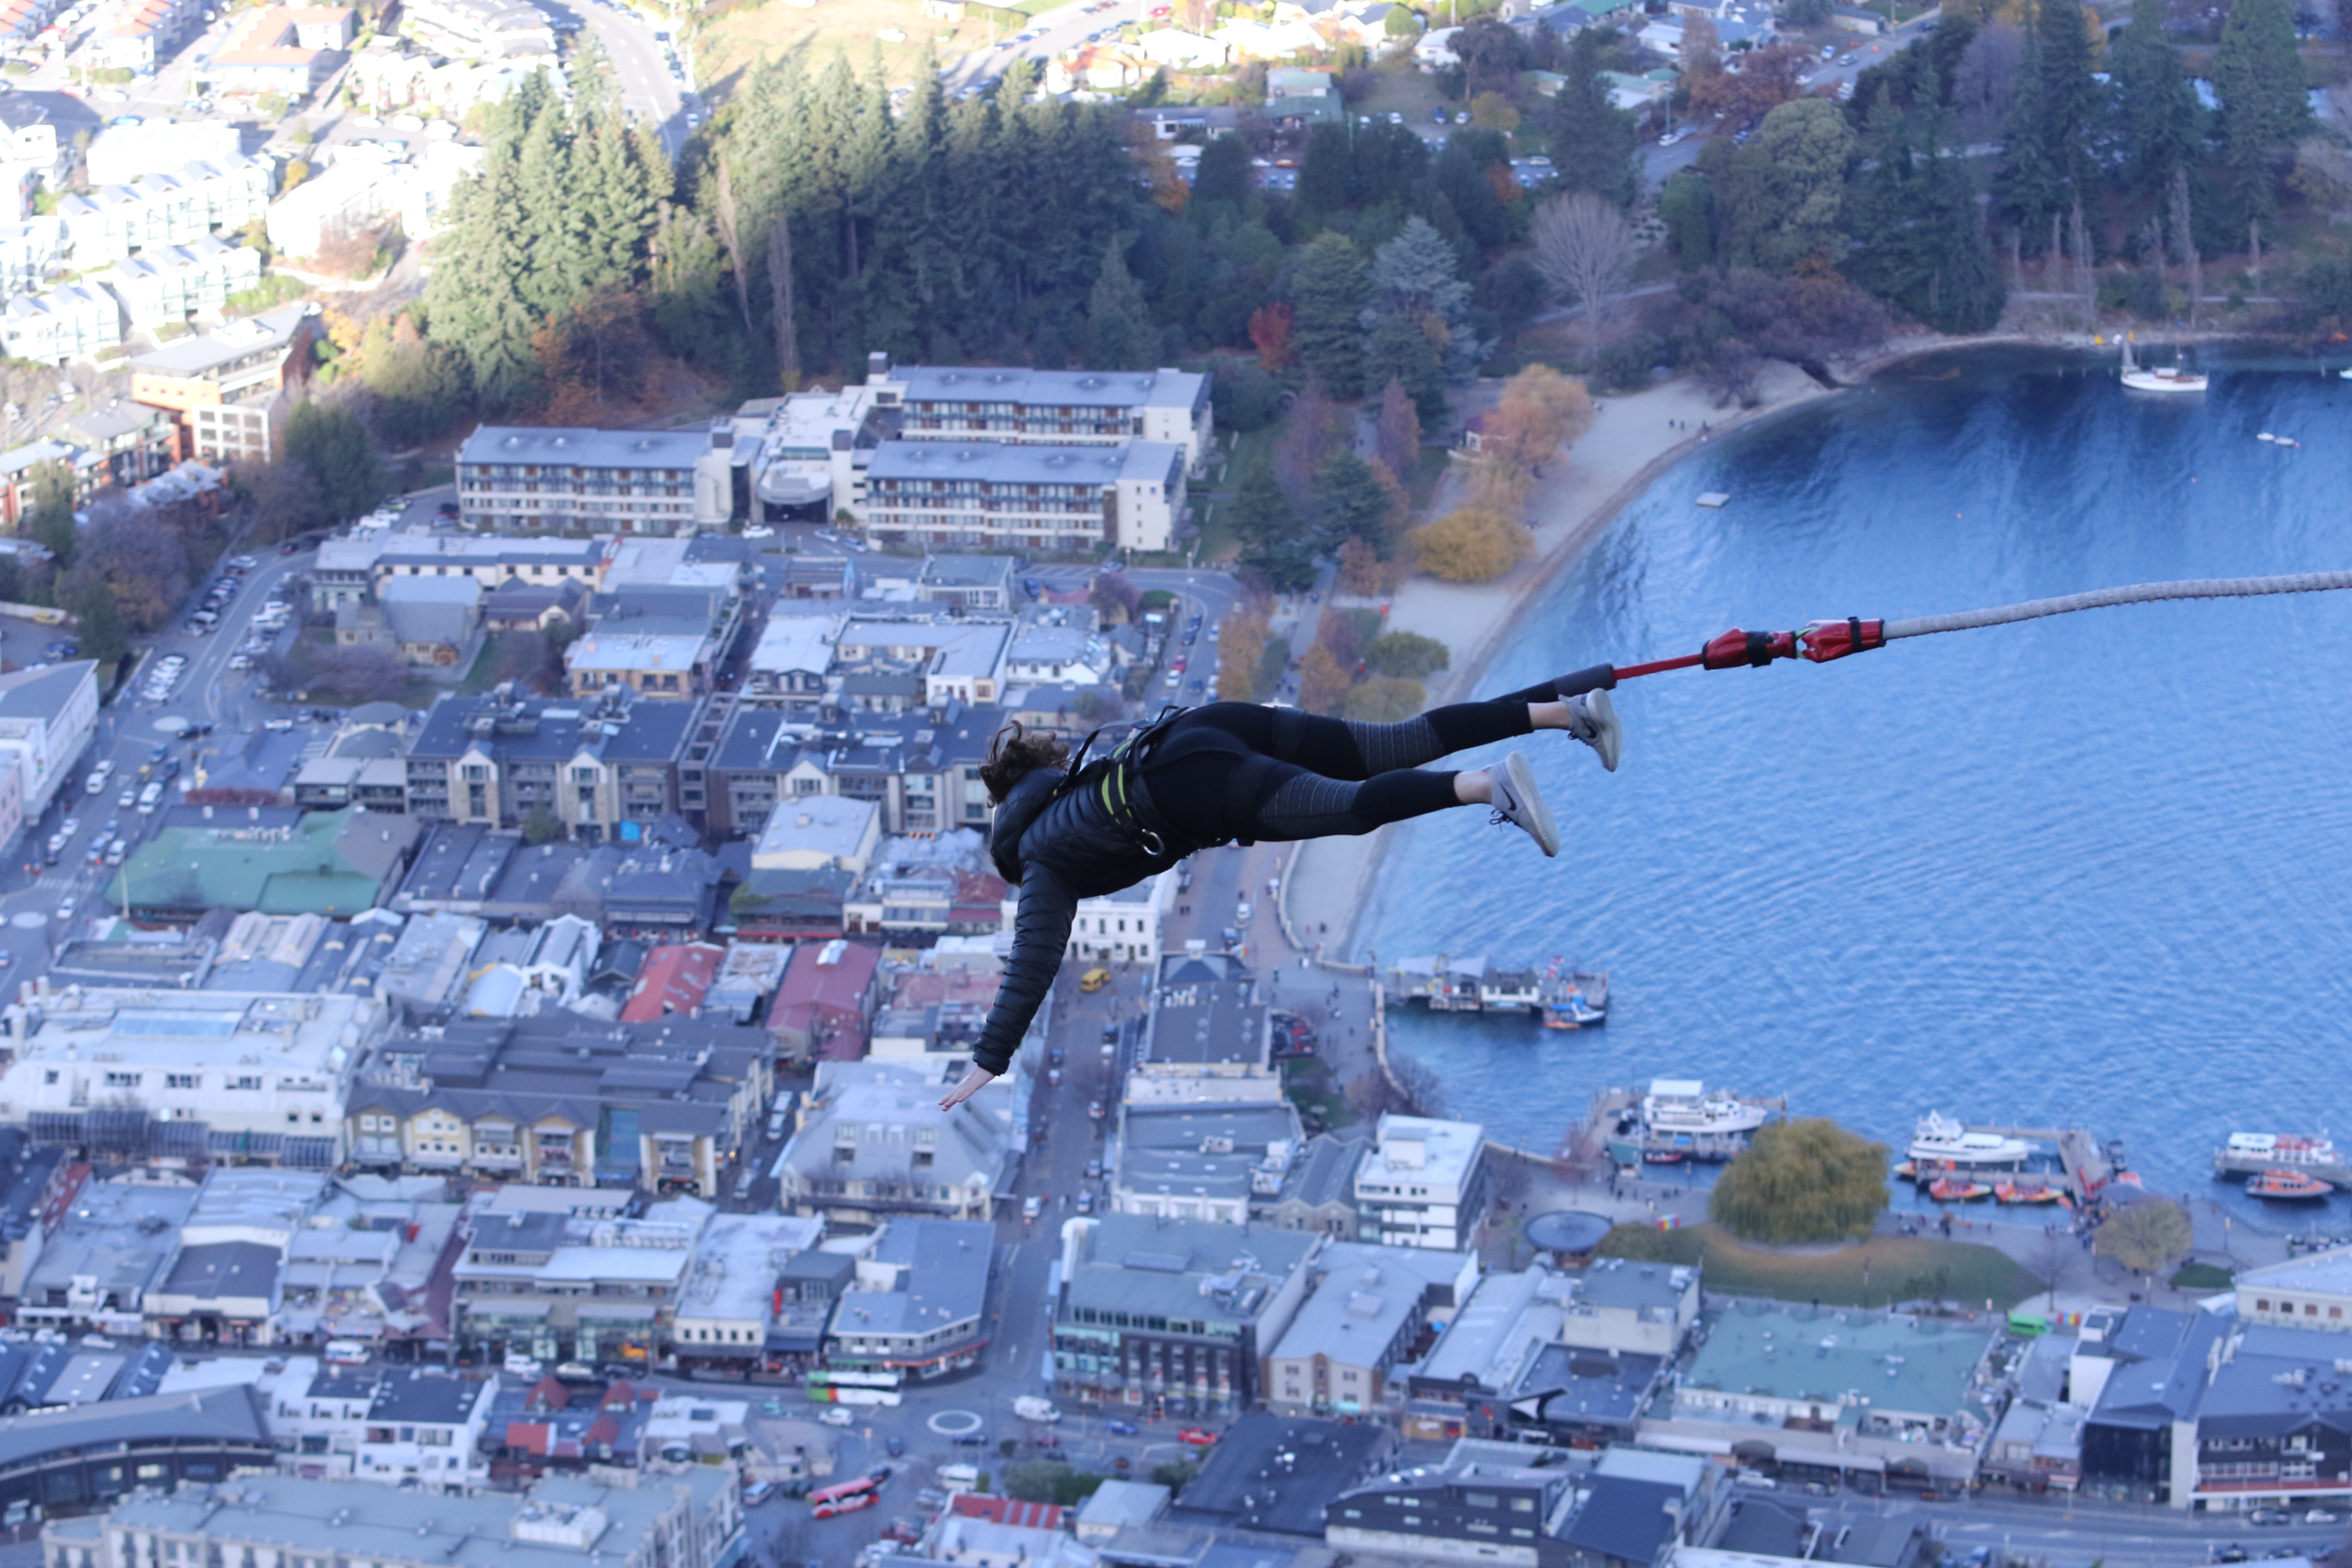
{"x": 2203, "y": 1276}
{"x": 1308, "y": 1083}
{"x": 1897, "y": 1268}
{"x": 1432, "y": 463}
{"x": 1250, "y": 448}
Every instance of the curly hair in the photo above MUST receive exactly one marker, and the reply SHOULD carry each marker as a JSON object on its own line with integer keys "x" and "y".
{"x": 1014, "y": 754}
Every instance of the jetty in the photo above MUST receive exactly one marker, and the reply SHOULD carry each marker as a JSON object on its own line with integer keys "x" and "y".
{"x": 1562, "y": 998}
{"x": 1612, "y": 1133}
{"x": 2091, "y": 1167}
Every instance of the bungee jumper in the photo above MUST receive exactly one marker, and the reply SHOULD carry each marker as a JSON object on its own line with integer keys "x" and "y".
{"x": 1077, "y": 827}
{"x": 1071, "y": 827}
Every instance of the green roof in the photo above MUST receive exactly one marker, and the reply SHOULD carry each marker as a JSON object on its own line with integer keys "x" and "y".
{"x": 1916, "y": 1366}
{"x": 331, "y": 863}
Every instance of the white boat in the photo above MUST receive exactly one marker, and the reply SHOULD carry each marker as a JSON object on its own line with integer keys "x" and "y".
{"x": 2283, "y": 1148}
{"x": 2160, "y": 378}
{"x": 1683, "y": 1105}
{"x": 1947, "y": 1142}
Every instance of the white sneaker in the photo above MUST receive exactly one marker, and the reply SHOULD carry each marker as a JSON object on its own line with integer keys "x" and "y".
{"x": 1520, "y": 803}
{"x": 1592, "y": 719}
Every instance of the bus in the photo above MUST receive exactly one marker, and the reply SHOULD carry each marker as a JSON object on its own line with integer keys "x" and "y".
{"x": 891, "y": 1379}
{"x": 847, "y": 1498}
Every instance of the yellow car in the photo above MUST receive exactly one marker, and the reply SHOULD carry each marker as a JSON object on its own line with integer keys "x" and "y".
{"x": 1094, "y": 980}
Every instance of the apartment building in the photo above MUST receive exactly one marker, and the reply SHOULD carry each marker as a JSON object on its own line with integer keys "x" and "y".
{"x": 486, "y": 30}
{"x": 961, "y": 494}
{"x": 557, "y": 1098}
{"x": 263, "y": 1077}
{"x": 1053, "y": 407}
{"x": 355, "y": 569}
{"x": 801, "y": 457}
{"x": 72, "y": 320}
{"x": 228, "y": 390}
{"x": 167, "y": 286}
{"x": 557, "y": 479}
{"x": 874, "y": 1143}
{"x": 567, "y": 1287}
{"x": 285, "y": 50}
{"x": 597, "y": 765}
{"x": 47, "y": 719}
{"x": 124, "y": 154}
{"x": 193, "y": 198}
{"x": 29, "y": 249}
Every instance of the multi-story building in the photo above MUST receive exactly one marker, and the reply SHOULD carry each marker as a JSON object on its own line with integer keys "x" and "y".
{"x": 873, "y": 1144}
{"x": 282, "y": 49}
{"x": 261, "y": 1077}
{"x": 958, "y": 494}
{"x": 916, "y": 1306}
{"x": 1423, "y": 1183}
{"x": 573, "y": 1288}
{"x": 130, "y": 444}
{"x": 111, "y": 1248}
{"x": 123, "y": 154}
{"x": 72, "y": 320}
{"x": 353, "y": 570}
{"x": 103, "y": 1448}
{"x": 1173, "y": 1314}
{"x": 595, "y": 765}
{"x": 920, "y": 769}
{"x": 423, "y": 1430}
{"x": 195, "y": 197}
{"x": 1051, "y": 407}
{"x": 732, "y": 1301}
{"x": 1201, "y": 1162}
{"x": 141, "y": 35}
{"x": 226, "y": 390}
{"x": 1370, "y": 1312}
{"x": 539, "y": 479}
{"x": 1483, "y": 1504}
{"x": 1207, "y": 1020}
{"x": 2313, "y": 1291}
{"x": 557, "y": 1098}
{"x": 47, "y": 719}
{"x": 168, "y": 286}
{"x": 1646, "y": 1308}
{"x": 28, "y": 249}
{"x": 229, "y": 1255}
{"x": 801, "y": 457}
{"x": 694, "y": 1519}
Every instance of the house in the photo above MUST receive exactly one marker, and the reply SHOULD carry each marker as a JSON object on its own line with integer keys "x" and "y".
{"x": 1854, "y": 19}
{"x": 1098, "y": 67}
{"x": 1297, "y": 96}
{"x": 1177, "y": 49}
{"x": 1253, "y": 40}
{"x": 676, "y": 977}
{"x": 432, "y": 620}
{"x": 1113, "y": 1343}
{"x": 362, "y": 565}
{"x": 916, "y": 1306}
{"x": 1434, "y": 50}
{"x": 283, "y": 49}
{"x": 1423, "y": 1183}
{"x": 530, "y": 479}
{"x": 481, "y": 30}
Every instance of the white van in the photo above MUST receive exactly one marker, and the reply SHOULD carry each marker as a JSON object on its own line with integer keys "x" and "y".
{"x": 149, "y": 796}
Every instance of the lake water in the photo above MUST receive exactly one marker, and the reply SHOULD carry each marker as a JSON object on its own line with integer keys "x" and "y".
{"x": 2090, "y": 871}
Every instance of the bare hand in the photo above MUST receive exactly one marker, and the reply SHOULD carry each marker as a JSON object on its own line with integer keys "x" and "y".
{"x": 973, "y": 1082}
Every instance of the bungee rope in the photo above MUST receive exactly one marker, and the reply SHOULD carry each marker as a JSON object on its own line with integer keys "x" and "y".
{"x": 1822, "y": 641}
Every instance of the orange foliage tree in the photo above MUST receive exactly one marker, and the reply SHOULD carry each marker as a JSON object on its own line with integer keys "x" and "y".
{"x": 1269, "y": 331}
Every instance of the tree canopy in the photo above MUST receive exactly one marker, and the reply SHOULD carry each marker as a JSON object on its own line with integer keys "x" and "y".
{"x": 1804, "y": 1181}
{"x": 2148, "y": 1235}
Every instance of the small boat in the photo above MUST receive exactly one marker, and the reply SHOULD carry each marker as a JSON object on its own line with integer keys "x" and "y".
{"x": 2158, "y": 378}
{"x": 2264, "y": 436}
{"x": 1956, "y": 1190}
{"x": 2026, "y": 1193}
{"x": 2286, "y": 1187}
{"x": 2344, "y": 375}
{"x": 1907, "y": 1172}
{"x": 1937, "y": 1138}
{"x": 1572, "y": 998}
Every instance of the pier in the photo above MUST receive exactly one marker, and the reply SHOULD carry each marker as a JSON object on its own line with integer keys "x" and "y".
{"x": 2084, "y": 1160}
{"x": 1561, "y": 998}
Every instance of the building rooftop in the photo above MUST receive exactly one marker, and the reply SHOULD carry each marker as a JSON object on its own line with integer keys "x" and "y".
{"x": 1418, "y": 1150}
{"x": 737, "y": 1259}
{"x": 1223, "y": 1273}
{"x": 1023, "y": 463}
{"x": 572, "y": 447}
{"x": 203, "y": 1417}
{"x": 1278, "y": 1473}
{"x": 1075, "y": 388}
{"x": 1903, "y": 1365}
{"x": 414, "y": 1394}
{"x": 830, "y": 828}
{"x": 228, "y": 345}
{"x": 1366, "y": 1294}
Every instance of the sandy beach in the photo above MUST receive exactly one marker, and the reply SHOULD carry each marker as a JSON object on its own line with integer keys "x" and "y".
{"x": 1632, "y": 439}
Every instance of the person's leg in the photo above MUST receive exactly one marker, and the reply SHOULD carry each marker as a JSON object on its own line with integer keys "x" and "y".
{"x": 1350, "y": 749}
{"x": 1297, "y": 803}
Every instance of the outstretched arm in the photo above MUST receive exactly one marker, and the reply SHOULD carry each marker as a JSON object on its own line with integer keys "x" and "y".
{"x": 1041, "y": 931}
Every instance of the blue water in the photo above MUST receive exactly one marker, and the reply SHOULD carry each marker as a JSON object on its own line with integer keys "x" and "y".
{"x": 2089, "y": 871}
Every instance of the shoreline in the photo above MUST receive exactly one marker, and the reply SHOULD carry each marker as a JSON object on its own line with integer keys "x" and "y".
{"x": 1629, "y": 445}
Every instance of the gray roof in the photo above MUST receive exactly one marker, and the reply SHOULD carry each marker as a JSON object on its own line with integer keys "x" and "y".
{"x": 1625, "y": 1519}
{"x": 1278, "y": 1473}
{"x": 585, "y": 448}
{"x": 1224, "y": 1273}
{"x": 945, "y": 1281}
{"x": 229, "y": 1414}
{"x": 42, "y": 693}
{"x": 220, "y": 1270}
{"x": 414, "y": 1395}
{"x": 1073, "y": 388}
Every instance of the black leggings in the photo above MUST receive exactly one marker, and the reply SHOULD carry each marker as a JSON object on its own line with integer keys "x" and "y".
{"x": 1329, "y": 778}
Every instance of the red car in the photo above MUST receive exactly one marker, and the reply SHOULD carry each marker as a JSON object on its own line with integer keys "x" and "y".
{"x": 1198, "y": 1436}
{"x": 905, "y": 1531}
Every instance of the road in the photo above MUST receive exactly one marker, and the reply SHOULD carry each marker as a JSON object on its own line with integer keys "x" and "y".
{"x": 640, "y": 55}
{"x": 2075, "y": 1534}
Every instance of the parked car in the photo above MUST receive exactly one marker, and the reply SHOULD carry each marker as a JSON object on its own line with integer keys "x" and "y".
{"x": 757, "y": 1493}
{"x": 837, "y": 1415}
{"x": 1198, "y": 1436}
{"x": 1120, "y": 1429}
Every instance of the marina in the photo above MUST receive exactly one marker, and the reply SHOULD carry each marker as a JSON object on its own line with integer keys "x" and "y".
{"x": 2252, "y": 1154}
{"x": 1559, "y": 997}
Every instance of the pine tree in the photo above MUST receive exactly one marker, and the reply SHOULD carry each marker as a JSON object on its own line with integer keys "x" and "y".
{"x": 2044, "y": 154}
{"x": 1224, "y": 174}
{"x": 1352, "y": 503}
{"x": 551, "y": 215}
{"x": 51, "y": 516}
{"x": 2264, "y": 110}
{"x": 1118, "y": 317}
{"x": 2155, "y": 110}
{"x": 1919, "y": 241}
{"x": 1326, "y": 172}
{"x": 1329, "y": 292}
{"x": 1596, "y": 143}
{"x": 1418, "y": 328}
{"x": 329, "y": 440}
{"x": 1273, "y": 542}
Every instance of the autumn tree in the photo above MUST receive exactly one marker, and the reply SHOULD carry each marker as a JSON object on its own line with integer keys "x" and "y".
{"x": 1241, "y": 644}
{"x": 1472, "y": 544}
{"x": 1585, "y": 250}
{"x": 1269, "y": 331}
{"x": 1396, "y": 439}
{"x": 1322, "y": 684}
{"x": 1539, "y": 411}
{"x": 2148, "y": 1235}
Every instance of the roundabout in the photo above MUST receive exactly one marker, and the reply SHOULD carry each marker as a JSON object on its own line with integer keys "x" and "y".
{"x": 954, "y": 1423}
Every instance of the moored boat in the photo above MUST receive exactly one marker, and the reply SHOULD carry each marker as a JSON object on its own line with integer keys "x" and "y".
{"x": 2158, "y": 378}
{"x": 2027, "y": 1192}
{"x": 2283, "y": 1149}
{"x": 1944, "y": 1141}
{"x": 2287, "y": 1186}
{"x": 1686, "y": 1105}
{"x": 1956, "y": 1190}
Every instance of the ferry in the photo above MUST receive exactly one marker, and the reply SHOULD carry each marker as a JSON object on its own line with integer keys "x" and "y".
{"x": 1942, "y": 1140}
{"x": 2283, "y": 1149}
{"x": 1682, "y": 1105}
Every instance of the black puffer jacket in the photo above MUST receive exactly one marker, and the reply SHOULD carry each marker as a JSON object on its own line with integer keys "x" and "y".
{"x": 1056, "y": 850}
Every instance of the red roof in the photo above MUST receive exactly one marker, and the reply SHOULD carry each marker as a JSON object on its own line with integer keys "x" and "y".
{"x": 1006, "y": 1511}
{"x": 531, "y": 1436}
{"x": 547, "y": 1394}
{"x": 825, "y": 979}
{"x": 675, "y": 979}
